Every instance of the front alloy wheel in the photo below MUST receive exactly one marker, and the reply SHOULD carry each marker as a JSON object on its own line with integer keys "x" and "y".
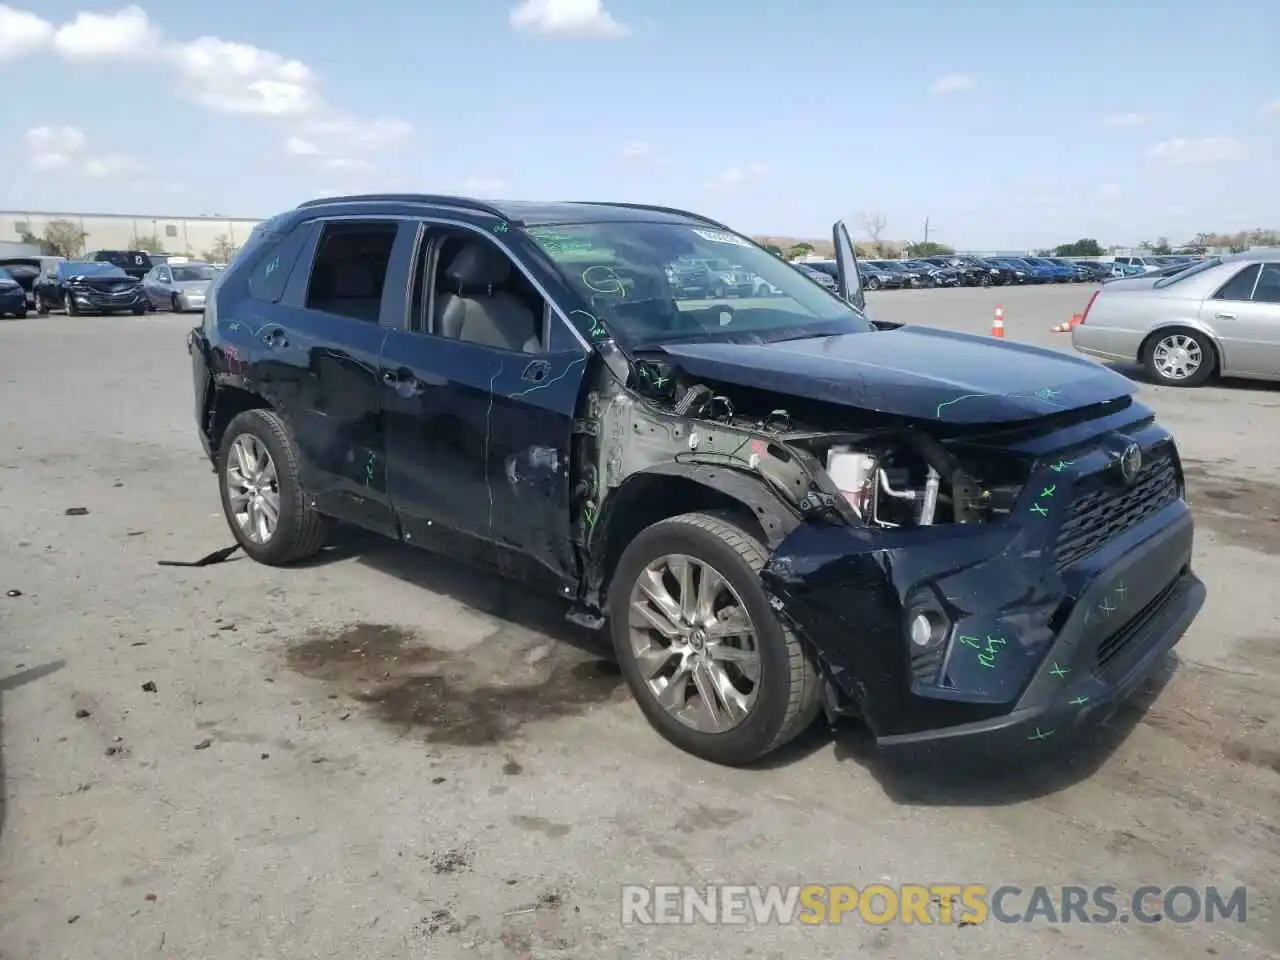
{"x": 712, "y": 667}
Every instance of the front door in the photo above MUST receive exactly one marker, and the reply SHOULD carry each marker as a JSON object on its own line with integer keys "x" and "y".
{"x": 478, "y": 436}
{"x": 1245, "y": 313}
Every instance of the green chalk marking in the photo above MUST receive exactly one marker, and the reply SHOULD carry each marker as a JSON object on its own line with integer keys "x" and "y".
{"x": 1037, "y": 508}
{"x": 1061, "y": 465}
{"x": 971, "y": 642}
{"x": 1079, "y": 701}
{"x": 1060, "y": 672}
{"x": 1048, "y": 491}
{"x": 1041, "y": 734}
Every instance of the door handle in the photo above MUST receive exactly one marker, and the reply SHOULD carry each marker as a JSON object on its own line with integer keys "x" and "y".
{"x": 390, "y": 379}
{"x": 275, "y": 338}
{"x": 1224, "y": 316}
{"x": 536, "y": 371}
{"x": 403, "y": 382}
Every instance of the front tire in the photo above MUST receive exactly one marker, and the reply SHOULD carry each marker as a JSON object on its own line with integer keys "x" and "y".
{"x": 175, "y": 306}
{"x": 262, "y": 498}
{"x": 711, "y": 666}
{"x": 42, "y": 305}
{"x": 1180, "y": 358}
{"x": 873, "y": 283}
{"x": 70, "y": 306}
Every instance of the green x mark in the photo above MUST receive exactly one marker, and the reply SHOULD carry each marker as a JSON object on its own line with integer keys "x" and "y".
{"x": 1048, "y": 491}
{"x": 1079, "y": 701}
{"x": 1037, "y": 508}
{"x": 1041, "y": 734}
{"x": 1060, "y": 672}
{"x": 1061, "y": 465}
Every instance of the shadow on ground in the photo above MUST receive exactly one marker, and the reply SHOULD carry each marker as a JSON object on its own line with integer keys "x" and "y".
{"x": 462, "y": 716}
{"x": 1139, "y": 374}
{"x": 12, "y": 682}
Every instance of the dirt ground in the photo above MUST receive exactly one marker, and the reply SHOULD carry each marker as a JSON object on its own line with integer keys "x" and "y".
{"x": 380, "y": 755}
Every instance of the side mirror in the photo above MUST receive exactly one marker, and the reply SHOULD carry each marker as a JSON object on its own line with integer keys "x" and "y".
{"x": 849, "y": 279}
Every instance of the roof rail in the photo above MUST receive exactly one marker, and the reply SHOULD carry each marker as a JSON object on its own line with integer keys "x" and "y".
{"x": 479, "y": 206}
{"x": 657, "y": 209}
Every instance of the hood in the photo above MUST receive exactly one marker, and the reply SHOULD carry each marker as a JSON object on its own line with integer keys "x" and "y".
{"x": 918, "y": 372}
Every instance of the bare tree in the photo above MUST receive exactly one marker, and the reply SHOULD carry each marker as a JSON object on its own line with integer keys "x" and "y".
{"x": 873, "y": 223}
{"x": 222, "y": 250}
{"x": 63, "y": 238}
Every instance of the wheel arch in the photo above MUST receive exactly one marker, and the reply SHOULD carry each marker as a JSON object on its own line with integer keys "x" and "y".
{"x": 225, "y": 403}
{"x": 668, "y": 490}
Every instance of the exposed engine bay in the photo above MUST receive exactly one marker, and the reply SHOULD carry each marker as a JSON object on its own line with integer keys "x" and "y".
{"x": 821, "y": 459}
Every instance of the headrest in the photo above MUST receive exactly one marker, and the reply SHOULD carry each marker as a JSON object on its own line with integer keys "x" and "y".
{"x": 479, "y": 265}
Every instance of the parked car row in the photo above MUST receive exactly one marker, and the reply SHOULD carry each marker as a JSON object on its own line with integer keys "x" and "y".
{"x": 970, "y": 271}
{"x": 103, "y": 282}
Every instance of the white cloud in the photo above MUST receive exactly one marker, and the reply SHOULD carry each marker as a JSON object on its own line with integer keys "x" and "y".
{"x": 735, "y": 177}
{"x": 22, "y": 32}
{"x": 1109, "y": 191}
{"x": 241, "y": 79}
{"x": 344, "y": 165}
{"x": 1272, "y": 109}
{"x": 298, "y": 147}
{"x": 954, "y": 83}
{"x": 484, "y": 187}
{"x": 1127, "y": 119}
{"x": 1202, "y": 152}
{"x": 113, "y": 165}
{"x": 53, "y": 148}
{"x": 638, "y": 148}
{"x": 570, "y": 18}
{"x": 97, "y": 36}
{"x": 356, "y": 135}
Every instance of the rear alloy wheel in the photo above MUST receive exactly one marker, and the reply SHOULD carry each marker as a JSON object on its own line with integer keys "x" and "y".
{"x": 1180, "y": 358}
{"x": 711, "y": 666}
{"x": 261, "y": 497}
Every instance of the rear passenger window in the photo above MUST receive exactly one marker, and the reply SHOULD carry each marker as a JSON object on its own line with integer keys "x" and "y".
{"x": 269, "y": 276}
{"x": 1268, "y": 288}
{"x": 351, "y": 268}
{"x": 1239, "y": 287}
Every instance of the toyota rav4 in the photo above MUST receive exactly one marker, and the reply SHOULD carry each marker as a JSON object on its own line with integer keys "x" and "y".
{"x": 777, "y": 507}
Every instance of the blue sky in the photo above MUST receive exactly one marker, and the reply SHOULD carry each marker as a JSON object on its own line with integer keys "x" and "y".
{"x": 1005, "y": 124}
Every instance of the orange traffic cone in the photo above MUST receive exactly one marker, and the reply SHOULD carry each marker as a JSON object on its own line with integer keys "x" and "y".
{"x": 997, "y": 325}
{"x": 1066, "y": 327}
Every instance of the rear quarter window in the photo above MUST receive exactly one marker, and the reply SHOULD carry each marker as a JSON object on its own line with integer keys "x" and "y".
{"x": 275, "y": 260}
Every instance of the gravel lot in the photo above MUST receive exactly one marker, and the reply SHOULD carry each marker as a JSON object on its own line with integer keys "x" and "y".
{"x": 198, "y": 762}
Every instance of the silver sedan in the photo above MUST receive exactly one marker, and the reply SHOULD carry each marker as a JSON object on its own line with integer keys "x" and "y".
{"x": 1219, "y": 317}
{"x": 179, "y": 286}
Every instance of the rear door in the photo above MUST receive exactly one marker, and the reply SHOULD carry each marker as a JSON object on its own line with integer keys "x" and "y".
{"x": 1245, "y": 313}
{"x": 478, "y": 438}
{"x": 314, "y": 354}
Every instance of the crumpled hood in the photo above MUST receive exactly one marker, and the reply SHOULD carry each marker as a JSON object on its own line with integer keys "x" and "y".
{"x": 918, "y": 372}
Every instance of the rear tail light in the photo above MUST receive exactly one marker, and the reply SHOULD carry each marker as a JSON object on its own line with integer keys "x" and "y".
{"x": 1088, "y": 306}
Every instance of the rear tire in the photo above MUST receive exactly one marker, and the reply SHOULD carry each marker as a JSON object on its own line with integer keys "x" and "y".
{"x": 42, "y": 305}
{"x": 1160, "y": 357}
{"x": 299, "y": 530}
{"x": 785, "y": 697}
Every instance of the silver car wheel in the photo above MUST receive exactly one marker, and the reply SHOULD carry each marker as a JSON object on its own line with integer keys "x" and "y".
{"x": 253, "y": 488}
{"x": 1177, "y": 357}
{"x": 694, "y": 643}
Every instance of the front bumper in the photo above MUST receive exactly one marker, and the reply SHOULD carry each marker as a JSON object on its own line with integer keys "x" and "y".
{"x": 95, "y": 301}
{"x": 1045, "y": 639}
{"x": 13, "y": 301}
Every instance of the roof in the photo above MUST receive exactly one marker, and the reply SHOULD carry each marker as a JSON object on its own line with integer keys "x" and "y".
{"x": 528, "y": 212}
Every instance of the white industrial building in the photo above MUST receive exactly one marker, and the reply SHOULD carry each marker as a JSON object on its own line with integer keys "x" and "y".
{"x": 187, "y": 236}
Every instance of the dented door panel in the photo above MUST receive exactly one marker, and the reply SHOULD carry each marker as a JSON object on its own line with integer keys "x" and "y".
{"x": 478, "y": 444}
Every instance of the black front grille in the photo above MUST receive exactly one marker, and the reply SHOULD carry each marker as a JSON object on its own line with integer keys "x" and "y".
{"x": 1116, "y": 644}
{"x": 1104, "y": 514}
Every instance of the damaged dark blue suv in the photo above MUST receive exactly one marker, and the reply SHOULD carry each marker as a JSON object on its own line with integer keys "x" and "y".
{"x": 778, "y": 506}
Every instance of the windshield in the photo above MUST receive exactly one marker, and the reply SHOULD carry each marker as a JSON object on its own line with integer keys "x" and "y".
{"x": 6, "y": 276}
{"x": 622, "y": 271}
{"x": 95, "y": 268}
{"x": 185, "y": 274}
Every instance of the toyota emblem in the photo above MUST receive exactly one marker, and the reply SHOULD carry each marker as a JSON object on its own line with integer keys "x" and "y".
{"x": 1130, "y": 463}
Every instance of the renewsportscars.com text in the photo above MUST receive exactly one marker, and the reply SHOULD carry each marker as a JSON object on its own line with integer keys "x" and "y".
{"x": 965, "y": 904}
